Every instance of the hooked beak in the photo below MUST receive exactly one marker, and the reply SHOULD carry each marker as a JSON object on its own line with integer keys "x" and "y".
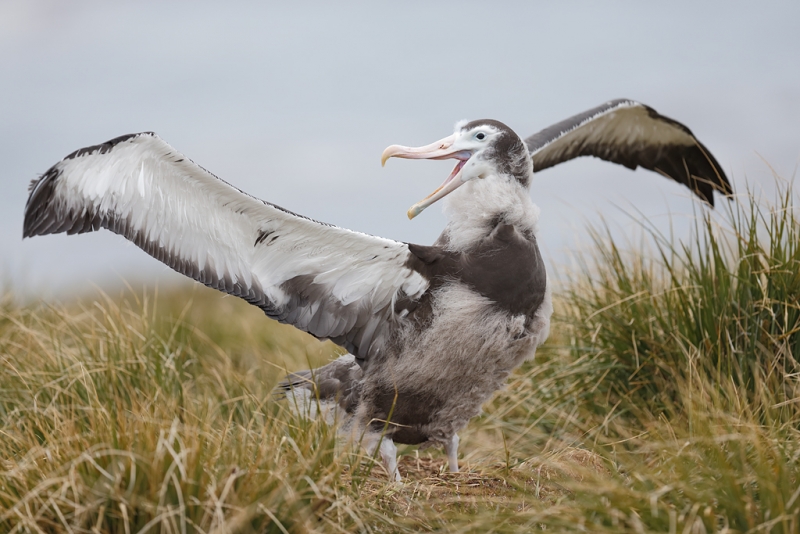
{"x": 442, "y": 149}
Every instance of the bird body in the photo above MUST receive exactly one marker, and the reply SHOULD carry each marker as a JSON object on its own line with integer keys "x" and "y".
{"x": 486, "y": 309}
{"x": 432, "y": 331}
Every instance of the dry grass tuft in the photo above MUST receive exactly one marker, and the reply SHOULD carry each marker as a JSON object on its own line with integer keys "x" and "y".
{"x": 668, "y": 400}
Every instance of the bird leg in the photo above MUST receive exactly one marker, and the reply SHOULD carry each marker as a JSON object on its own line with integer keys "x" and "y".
{"x": 388, "y": 451}
{"x": 451, "y": 448}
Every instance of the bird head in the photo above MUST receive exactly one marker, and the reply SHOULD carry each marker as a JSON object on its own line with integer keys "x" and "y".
{"x": 485, "y": 149}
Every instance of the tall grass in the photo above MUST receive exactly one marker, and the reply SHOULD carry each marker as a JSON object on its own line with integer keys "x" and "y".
{"x": 668, "y": 400}
{"x": 112, "y": 419}
{"x": 729, "y": 296}
{"x": 695, "y": 349}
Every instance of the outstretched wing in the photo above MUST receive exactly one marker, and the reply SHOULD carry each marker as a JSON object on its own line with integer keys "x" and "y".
{"x": 328, "y": 281}
{"x": 632, "y": 134}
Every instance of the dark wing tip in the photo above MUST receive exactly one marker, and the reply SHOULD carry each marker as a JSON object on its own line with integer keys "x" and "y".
{"x": 38, "y": 214}
{"x": 699, "y": 170}
{"x": 696, "y": 168}
{"x": 42, "y": 216}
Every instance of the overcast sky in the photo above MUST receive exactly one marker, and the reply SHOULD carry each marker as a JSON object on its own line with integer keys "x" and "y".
{"x": 294, "y": 103}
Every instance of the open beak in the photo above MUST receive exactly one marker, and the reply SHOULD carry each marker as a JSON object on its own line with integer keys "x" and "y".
{"x": 442, "y": 149}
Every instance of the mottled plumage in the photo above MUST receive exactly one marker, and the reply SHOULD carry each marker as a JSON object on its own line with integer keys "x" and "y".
{"x": 432, "y": 331}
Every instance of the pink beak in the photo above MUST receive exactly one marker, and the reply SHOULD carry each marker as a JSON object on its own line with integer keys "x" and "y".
{"x": 442, "y": 149}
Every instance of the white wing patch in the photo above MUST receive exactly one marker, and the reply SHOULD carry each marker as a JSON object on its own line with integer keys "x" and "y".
{"x": 329, "y": 281}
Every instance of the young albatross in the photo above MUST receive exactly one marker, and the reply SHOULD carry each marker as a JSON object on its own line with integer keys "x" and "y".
{"x": 432, "y": 331}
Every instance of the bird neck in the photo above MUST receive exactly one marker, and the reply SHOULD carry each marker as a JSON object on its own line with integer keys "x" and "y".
{"x": 474, "y": 209}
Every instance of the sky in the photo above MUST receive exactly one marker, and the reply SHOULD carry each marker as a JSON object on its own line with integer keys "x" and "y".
{"x": 294, "y": 102}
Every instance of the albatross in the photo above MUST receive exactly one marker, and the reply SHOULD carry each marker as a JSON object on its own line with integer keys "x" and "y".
{"x": 431, "y": 331}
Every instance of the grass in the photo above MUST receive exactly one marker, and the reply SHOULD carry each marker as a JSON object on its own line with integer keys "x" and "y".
{"x": 667, "y": 400}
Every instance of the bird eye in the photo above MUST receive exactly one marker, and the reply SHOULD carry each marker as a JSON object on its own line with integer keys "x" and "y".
{"x": 480, "y": 136}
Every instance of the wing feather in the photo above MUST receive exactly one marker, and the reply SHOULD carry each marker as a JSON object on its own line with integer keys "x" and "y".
{"x": 328, "y": 281}
{"x": 634, "y": 135}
